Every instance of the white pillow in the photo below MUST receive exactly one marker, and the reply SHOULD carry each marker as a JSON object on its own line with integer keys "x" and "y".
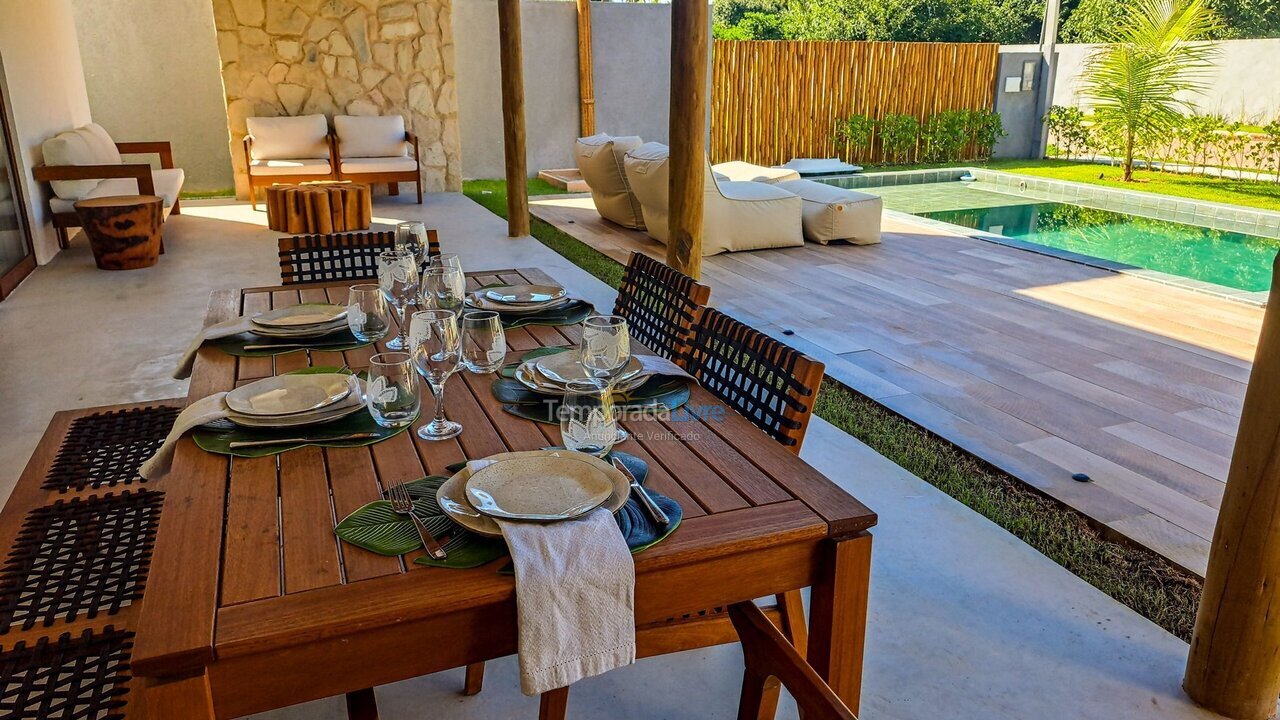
{"x": 71, "y": 148}
{"x": 102, "y": 144}
{"x": 369, "y": 136}
{"x": 821, "y": 166}
{"x": 289, "y": 138}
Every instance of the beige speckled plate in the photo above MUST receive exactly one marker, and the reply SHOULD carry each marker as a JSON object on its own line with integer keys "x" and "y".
{"x": 302, "y": 315}
{"x": 453, "y": 500}
{"x": 538, "y": 489}
{"x": 289, "y": 394}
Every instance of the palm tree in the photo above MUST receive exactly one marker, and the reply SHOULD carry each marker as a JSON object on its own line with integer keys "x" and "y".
{"x": 1139, "y": 81}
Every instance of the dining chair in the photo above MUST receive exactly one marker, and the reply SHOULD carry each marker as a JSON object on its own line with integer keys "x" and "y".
{"x": 659, "y": 303}
{"x": 769, "y": 660}
{"x": 339, "y": 256}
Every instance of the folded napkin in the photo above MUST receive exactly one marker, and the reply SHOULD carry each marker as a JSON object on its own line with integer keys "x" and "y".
{"x": 575, "y": 598}
{"x": 226, "y": 328}
{"x": 200, "y": 412}
{"x": 658, "y": 365}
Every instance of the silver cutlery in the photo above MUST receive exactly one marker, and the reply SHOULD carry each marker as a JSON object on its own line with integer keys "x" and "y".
{"x": 647, "y": 502}
{"x": 402, "y": 504}
{"x": 309, "y": 346}
{"x": 238, "y": 444}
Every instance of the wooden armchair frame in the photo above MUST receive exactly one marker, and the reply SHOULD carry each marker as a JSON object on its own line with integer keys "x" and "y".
{"x": 257, "y": 181}
{"x": 139, "y": 171}
{"x": 393, "y": 179}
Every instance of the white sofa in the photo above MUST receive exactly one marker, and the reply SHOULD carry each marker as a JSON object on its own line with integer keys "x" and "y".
{"x": 376, "y": 149}
{"x": 88, "y": 163}
{"x": 600, "y": 160}
{"x": 736, "y": 215}
{"x": 287, "y": 150}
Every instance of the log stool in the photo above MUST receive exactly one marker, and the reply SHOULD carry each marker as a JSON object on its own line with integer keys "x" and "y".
{"x": 319, "y": 207}
{"x": 123, "y": 230}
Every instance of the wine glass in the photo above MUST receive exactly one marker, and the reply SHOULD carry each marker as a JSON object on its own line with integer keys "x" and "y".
{"x": 587, "y": 423}
{"x": 437, "y": 351}
{"x": 443, "y": 288}
{"x": 412, "y": 236}
{"x": 484, "y": 343}
{"x": 392, "y": 391}
{"x": 446, "y": 260}
{"x": 398, "y": 278}
{"x": 605, "y": 350}
{"x": 368, "y": 316}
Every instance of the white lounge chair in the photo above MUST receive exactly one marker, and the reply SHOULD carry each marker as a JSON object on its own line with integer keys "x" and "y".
{"x": 376, "y": 149}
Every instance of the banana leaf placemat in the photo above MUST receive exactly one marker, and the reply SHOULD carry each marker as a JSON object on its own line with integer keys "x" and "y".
{"x": 374, "y": 527}
{"x": 337, "y": 341}
{"x": 571, "y": 313}
{"x": 657, "y": 393}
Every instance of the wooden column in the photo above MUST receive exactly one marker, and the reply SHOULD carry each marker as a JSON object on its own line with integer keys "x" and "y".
{"x": 1234, "y": 666}
{"x": 510, "y": 58}
{"x": 586, "y": 78}
{"x": 687, "y": 133}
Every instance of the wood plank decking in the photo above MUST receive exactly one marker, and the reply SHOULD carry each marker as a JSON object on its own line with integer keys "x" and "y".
{"x": 1040, "y": 366}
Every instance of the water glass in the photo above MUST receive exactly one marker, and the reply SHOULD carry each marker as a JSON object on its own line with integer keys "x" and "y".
{"x": 443, "y": 288}
{"x": 367, "y": 313}
{"x": 606, "y": 345}
{"x": 437, "y": 350}
{"x": 484, "y": 343}
{"x": 392, "y": 391}
{"x": 587, "y": 422}
{"x": 412, "y": 236}
{"x": 446, "y": 260}
{"x": 398, "y": 278}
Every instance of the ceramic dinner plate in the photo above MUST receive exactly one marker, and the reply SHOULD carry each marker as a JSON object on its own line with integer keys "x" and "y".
{"x": 479, "y": 301}
{"x": 289, "y": 394}
{"x": 543, "y": 489}
{"x": 309, "y": 331}
{"x": 529, "y": 376}
{"x": 453, "y": 500}
{"x": 352, "y": 405}
{"x": 561, "y": 368}
{"x": 524, "y": 294}
{"x": 296, "y": 316}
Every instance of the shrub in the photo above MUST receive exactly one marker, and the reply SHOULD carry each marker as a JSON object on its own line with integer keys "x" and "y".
{"x": 984, "y": 129}
{"x": 854, "y": 134}
{"x": 899, "y": 134}
{"x": 945, "y": 135}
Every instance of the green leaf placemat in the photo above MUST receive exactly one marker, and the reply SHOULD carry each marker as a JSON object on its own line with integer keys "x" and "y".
{"x": 333, "y": 342}
{"x": 570, "y": 314}
{"x": 658, "y": 393}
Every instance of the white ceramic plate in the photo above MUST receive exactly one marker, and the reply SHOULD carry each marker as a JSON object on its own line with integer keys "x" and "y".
{"x": 560, "y": 368}
{"x": 540, "y": 489}
{"x": 301, "y": 315}
{"x": 338, "y": 411}
{"x": 479, "y": 301}
{"x": 289, "y": 394}
{"x": 524, "y": 294}
{"x": 310, "y": 331}
{"x": 529, "y": 376}
{"x": 453, "y": 500}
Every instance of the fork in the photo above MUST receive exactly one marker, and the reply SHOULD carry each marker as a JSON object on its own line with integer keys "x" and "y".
{"x": 402, "y": 504}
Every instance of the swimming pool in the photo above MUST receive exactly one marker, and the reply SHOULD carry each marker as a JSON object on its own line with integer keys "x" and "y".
{"x": 1219, "y": 257}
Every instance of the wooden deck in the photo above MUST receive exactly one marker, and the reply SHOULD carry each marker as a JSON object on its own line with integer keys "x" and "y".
{"x": 1040, "y": 366}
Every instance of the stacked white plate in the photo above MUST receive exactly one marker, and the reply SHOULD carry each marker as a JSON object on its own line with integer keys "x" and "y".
{"x": 300, "y": 321}
{"x": 536, "y": 486}
{"x": 519, "y": 299}
{"x": 550, "y": 374}
{"x": 295, "y": 400}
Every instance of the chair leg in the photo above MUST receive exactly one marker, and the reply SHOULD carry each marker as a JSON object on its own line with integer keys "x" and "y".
{"x": 754, "y": 704}
{"x": 253, "y": 196}
{"x": 554, "y": 704}
{"x": 177, "y": 208}
{"x": 474, "y": 682}
{"x": 418, "y": 183}
{"x": 361, "y": 705}
{"x": 791, "y": 605}
{"x": 64, "y": 239}
{"x": 393, "y": 188}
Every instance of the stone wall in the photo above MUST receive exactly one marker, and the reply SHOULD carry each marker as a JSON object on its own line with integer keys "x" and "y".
{"x": 355, "y": 57}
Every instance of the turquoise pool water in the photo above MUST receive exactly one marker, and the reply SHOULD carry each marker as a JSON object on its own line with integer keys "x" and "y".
{"x": 1220, "y": 257}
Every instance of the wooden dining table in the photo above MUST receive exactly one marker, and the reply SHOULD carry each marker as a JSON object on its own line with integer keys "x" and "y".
{"x": 255, "y": 602}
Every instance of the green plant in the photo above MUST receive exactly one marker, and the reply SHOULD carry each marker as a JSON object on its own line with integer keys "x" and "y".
{"x": 1066, "y": 129}
{"x": 1234, "y": 145}
{"x": 944, "y": 135}
{"x": 983, "y": 129}
{"x": 1199, "y": 134}
{"x": 1137, "y": 81}
{"x": 899, "y": 134}
{"x": 1272, "y": 145}
{"x": 854, "y": 134}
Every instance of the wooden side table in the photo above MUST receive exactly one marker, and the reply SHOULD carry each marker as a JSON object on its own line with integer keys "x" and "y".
{"x": 123, "y": 230}
{"x": 325, "y": 206}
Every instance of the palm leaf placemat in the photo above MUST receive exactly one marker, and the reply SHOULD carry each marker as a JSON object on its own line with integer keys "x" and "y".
{"x": 658, "y": 393}
{"x": 572, "y": 313}
{"x": 337, "y": 341}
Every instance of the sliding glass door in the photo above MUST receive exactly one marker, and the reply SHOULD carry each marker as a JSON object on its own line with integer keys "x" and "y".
{"x": 16, "y": 258}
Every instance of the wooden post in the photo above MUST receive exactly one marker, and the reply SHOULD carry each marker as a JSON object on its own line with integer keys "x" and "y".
{"x": 510, "y": 58}
{"x": 1234, "y": 665}
{"x": 687, "y": 133}
{"x": 586, "y": 79}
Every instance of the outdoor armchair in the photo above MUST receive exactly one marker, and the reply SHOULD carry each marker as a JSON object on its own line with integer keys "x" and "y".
{"x": 375, "y": 149}
{"x": 600, "y": 160}
{"x": 286, "y": 150}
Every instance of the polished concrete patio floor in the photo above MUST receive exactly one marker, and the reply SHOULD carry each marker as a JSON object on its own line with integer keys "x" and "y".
{"x": 1040, "y": 366}
{"x": 966, "y": 622}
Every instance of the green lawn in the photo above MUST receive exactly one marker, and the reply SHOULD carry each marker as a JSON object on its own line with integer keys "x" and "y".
{"x": 1138, "y": 578}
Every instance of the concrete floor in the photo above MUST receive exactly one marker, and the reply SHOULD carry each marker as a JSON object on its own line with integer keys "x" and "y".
{"x": 966, "y": 621}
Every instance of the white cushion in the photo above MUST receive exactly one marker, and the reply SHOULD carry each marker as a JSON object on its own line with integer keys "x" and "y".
{"x": 820, "y": 166}
{"x": 289, "y": 138}
{"x": 72, "y": 148}
{"x": 370, "y": 136}
{"x": 738, "y": 170}
{"x": 832, "y": 213}
{"x": 600, "y": 159}
{"x": 167, "y": 182}
{"x": 304, "y": 166}
{"x": 103, "y": 146}
{"x": 356, "y": 166}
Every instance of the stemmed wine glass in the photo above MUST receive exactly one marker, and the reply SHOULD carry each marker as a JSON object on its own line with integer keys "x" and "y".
{"x": 443, "y": 288}
{"x": 412, "y": 236}
{"x": 587, "y": 422}
{"x": 437, "y": 351}
{"x": 605, "y": 350}
{"x": 398, "y": 278}
{"x": 484, "y": 343}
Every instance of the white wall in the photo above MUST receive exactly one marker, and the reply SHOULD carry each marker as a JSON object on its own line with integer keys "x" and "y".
{"x": 152, "y": 72}
{"x": 46, "y": 86}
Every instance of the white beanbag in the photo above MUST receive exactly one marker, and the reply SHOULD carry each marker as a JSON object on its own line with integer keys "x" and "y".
{"x": 832, "y": 213}
{"x": 821, "y": 166}
{"x": 600, "y": 159}
{"x": 740, "y": 171}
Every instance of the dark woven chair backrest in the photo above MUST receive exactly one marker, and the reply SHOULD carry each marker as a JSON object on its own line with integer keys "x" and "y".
{"x": 340, "y": 256}
{"x": 772, "y": 384}
{"x": 659, "y": 304}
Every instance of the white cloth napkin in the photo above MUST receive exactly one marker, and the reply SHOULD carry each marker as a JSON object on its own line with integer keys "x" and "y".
{"x": 658, "y": 365}
{"x": 575, "y": 598}
{"x": 226, "y": 328}
{"x": 204, "y": 410}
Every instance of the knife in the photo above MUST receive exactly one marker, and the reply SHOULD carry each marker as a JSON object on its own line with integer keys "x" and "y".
{"x": 655, "y": 512}
{"x": 236, "y": 445}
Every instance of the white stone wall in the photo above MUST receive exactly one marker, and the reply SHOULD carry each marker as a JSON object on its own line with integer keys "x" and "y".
{"x": 356, "y": 57}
